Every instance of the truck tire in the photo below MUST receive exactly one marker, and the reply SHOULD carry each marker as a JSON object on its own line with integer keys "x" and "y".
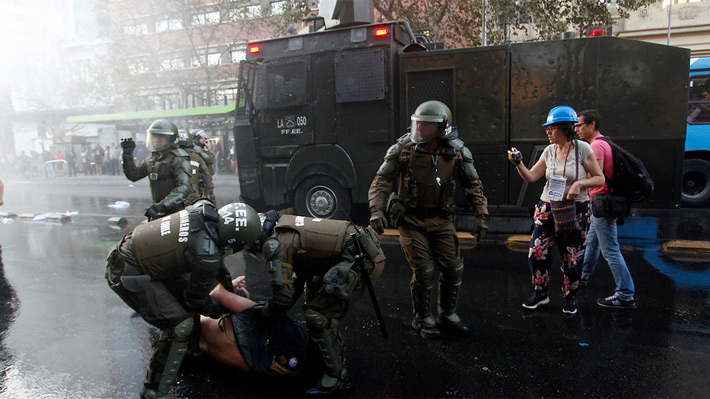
{"x": 696, "y": 183}
{"x": 321, "y": 197}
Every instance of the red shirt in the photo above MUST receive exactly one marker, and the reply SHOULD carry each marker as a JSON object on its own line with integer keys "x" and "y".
{"x": 602, "y": 151}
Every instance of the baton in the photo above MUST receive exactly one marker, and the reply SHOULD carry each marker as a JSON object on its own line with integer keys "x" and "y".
{"x": 360, "y": 258}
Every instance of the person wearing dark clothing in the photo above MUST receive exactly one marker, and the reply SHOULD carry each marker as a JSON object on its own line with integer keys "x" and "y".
{"x": 168, "y": 169}
{"x": 165, "y": 270}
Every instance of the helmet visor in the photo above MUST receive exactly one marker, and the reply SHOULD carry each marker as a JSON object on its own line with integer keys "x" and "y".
{"x": 158, "y": 141}
{"x": 423, "y": 131}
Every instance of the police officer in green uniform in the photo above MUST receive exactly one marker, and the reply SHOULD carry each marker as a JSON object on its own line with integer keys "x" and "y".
{"x": 165, "y": 270}
{"x": 167, "y": 167}
{"x": 428, "y": 161}
{"x": 199, "y": 139}
{"x": 198, "y": 168}
{"x": 320, "y": 256}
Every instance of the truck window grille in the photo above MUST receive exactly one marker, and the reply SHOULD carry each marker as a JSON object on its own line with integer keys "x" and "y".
{"x": 430, "y": 85}
{"x": 360, "y": 76}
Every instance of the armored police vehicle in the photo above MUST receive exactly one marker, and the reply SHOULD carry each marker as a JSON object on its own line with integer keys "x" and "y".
{"x": 318, "y": 111}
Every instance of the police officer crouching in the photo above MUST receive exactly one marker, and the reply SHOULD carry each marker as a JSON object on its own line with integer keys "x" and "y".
{"x": 167, "y": 167}
{"x": 165, "y": 270}
{"x": 320, "y": 255}
{"x": 427, "y": 161}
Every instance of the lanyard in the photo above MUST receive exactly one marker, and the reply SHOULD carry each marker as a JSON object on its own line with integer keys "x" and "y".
{"x": 554, "y": 164}
{"x": 435, "y": 161}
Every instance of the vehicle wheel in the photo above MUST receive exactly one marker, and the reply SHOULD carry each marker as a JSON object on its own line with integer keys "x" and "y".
{"x": 696, "y": 183}
{"x": 321, "y": 197}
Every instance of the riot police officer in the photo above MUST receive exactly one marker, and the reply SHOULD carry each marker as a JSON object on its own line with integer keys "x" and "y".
{"x": 428, "y": 161}
{"x": 167, "y": 168}
{"x": 198, "y": 168}
{"x": 321, "y": 256}
{"x": 165, "y": 270}
{"x": 199, "y": 139}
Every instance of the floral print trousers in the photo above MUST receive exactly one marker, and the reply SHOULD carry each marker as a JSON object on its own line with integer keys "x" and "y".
{"x": 571, "y": 246}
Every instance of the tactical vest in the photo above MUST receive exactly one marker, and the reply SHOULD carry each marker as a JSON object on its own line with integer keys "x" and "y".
{"x": 204, "y": 153}
{"x": 161, "y": 173}
{"x": 322, "y": 240}
{"x": 197, "y": 191}
{"x": 159, "y": 246}
{"x": 419, "y": 187}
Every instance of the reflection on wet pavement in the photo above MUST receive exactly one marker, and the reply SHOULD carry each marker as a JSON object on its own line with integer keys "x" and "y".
{"x": 65, "y": 334}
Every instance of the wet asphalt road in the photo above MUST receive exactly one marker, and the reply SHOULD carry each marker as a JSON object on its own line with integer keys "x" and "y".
{"x": 64, "y": 334}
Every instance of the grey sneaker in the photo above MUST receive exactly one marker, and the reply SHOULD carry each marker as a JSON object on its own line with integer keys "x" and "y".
{"x": 617, "y": 301}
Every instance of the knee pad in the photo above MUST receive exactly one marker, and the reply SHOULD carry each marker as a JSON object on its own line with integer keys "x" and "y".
{"x": 424, "y": 272}
{"x": 452, "y": 270}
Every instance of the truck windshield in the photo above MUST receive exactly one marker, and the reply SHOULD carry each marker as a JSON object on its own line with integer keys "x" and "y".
{"x": 286, "y": 83}
{"x": 699, "y": 99}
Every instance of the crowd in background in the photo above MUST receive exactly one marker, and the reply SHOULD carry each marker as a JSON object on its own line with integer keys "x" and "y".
{"x": 91, "y": 159}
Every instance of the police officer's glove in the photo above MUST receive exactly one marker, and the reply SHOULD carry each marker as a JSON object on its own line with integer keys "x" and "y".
{"x": 480, "y": 228}
{"x": 212, "y": 310}
{"x": 377, "y": 219}
{"x": 155, "y": 210}
{"x": 128, "y": 146}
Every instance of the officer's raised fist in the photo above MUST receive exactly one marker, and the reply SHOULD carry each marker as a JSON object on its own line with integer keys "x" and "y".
{"x": 128, "y": 146}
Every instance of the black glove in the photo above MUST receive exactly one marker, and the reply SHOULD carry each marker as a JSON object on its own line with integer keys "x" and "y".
{"x": 128, "y": 146}
{"x": 155, "y": 210}
{"x": 377, "y": 219}
{"x": 212, "y": 310}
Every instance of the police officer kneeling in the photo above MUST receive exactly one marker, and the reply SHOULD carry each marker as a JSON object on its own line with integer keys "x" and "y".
{"x": 322, "y": 257}
{"x": 427, "y": 161}
{"x": 165, "y": 270}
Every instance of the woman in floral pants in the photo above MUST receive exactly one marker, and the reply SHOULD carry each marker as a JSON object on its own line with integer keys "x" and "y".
{"x": 562, "y": 215}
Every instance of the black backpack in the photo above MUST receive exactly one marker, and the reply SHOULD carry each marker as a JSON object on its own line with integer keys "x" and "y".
{"x": 630, "y": 179}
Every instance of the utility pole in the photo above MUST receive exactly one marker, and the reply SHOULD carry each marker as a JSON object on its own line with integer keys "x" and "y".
{"x": 484, "y": 24}
{"x": 670, "y": 4}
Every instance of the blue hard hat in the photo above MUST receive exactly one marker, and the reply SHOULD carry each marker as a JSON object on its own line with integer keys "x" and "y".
{"x": 561, "y": 113}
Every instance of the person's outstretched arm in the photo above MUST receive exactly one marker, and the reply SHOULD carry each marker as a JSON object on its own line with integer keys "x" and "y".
{"x": 229, "y": 300}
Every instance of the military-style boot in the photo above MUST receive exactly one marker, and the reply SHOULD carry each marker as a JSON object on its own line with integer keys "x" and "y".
{"x": 420, "y": 289}
{"x": 168, "y": 353}
{"x": 449, "y": 284}
{"x": 324, "y": 333}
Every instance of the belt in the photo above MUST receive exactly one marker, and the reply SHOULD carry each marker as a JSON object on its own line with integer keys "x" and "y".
{"x": 424, "y": 213}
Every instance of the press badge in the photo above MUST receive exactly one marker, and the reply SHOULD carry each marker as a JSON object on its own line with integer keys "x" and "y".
{"x": 153, "y": 176}
{"x": 557, "y": 188}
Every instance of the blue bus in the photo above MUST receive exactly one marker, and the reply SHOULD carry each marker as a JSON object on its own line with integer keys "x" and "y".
{"x": 696, "y": 167}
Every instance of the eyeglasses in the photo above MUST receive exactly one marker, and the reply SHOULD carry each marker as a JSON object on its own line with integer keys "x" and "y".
{"x": 580, "y": 124}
